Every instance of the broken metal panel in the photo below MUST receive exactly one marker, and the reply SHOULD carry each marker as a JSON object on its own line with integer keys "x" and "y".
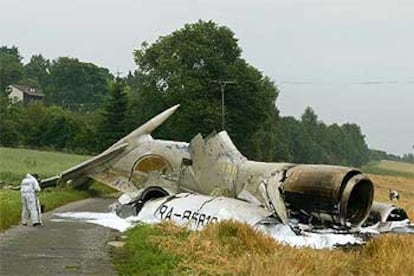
{"x": 197, "y": 171}
{"x": 270, "y": 189}
{"x": 131, "y": 204}
{"x": 115, "y": 180}
{"x": 384, "y": 212}
{"x": 215, "y": 162}
{"x": 264, "y": 181}
{"x": 187, "y": 180}
{"x": 252, "y": 173}
{"x": 246, "y": 196}
{"x": 214, "y": 166}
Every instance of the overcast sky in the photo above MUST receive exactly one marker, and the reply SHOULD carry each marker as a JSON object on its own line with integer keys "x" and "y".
{"x": 350, "y": 60}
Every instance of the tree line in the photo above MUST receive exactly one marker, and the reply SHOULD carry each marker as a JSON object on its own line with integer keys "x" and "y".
{"x": 86, "y": 108}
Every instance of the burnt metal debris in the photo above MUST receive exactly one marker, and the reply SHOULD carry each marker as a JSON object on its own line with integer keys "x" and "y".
{"x": 145, "y": 169}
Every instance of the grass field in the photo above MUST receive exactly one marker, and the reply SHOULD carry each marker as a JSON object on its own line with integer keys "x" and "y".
{"x": 390, "y": 168}
{"x": 15, "y": 163}
{"x": 230, "y": 248}
{"x": 396, "y": 166}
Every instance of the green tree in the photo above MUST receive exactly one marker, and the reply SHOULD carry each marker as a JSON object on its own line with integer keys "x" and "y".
{"x": 138, "y": 108}
{"x": 298, "y": 140}
{"x": 77, "y": 85}
{"x": 11, "y": 67}
{"x": 86, "y": 136}
{"x": 33, "y": 124}
{"x": 335, "y": 145}
{"x": 270, "y": 143}
{"x": 59, "y": 129}
{"x": 314, "y": 129}
{"x": 357, "y": 152}
{"x": 53, "y": 127}
{"x": 408, "y": 157}
{"x": 311, "y": 141}
{"x": 187, "y": 67}
{"x": 112, "y": 125}
{"x": 10, "y": 117}
{"x": 37, "y": 72}
{"x": 377, "y": 155}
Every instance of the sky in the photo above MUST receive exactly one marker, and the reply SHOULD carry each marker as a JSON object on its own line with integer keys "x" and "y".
{"x": 350, "y": 60}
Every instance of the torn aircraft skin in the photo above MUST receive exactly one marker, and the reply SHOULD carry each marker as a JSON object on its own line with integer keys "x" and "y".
{"x": 196, "y": 211}
{"x": 145, "y": 169}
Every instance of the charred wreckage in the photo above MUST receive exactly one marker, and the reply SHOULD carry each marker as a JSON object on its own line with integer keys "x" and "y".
{"x": 209, "y": 180}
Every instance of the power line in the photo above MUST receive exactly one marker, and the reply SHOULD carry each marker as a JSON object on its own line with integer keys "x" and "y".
{"x": 222, "y": 84}
{"x": 363, "y": 82}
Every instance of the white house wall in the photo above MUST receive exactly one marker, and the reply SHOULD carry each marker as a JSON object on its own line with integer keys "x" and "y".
{"x": 15, "y": 95}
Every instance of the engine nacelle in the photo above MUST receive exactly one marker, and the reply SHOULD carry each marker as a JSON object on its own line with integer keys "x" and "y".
{"x": 331, "y": 194}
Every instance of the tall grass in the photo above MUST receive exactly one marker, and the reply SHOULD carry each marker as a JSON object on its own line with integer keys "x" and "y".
{"x": 232, "y": 248}
{"x": 405, "y": 187}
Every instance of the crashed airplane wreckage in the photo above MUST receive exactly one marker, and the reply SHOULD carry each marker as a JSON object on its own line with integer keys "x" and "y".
{"x": 197, "y": 182}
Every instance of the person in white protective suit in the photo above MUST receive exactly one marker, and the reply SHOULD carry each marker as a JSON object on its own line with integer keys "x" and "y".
{"x": 28, "y": 190}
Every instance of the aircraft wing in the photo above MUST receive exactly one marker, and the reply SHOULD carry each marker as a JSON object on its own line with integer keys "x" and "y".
{"x": 84, "y": 168}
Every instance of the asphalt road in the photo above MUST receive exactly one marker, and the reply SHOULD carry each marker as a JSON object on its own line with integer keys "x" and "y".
{"x": 59, "y": 248}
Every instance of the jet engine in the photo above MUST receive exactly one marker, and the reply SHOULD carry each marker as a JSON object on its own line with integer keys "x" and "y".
{"x": 329, "y": 194}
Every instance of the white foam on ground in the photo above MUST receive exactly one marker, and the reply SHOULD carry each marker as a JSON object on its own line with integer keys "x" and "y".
{"x": 281, "y": 233}
{"x": 110, "y": 220}
{"x": 404, "y": 226}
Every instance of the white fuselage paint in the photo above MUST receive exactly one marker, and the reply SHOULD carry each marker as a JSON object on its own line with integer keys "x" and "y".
{"x": 196, "y": 211}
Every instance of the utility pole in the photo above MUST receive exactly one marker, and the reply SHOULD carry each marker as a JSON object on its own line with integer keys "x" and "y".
{"x": 118, "y": 73}
{"x": 222, "y": 84}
